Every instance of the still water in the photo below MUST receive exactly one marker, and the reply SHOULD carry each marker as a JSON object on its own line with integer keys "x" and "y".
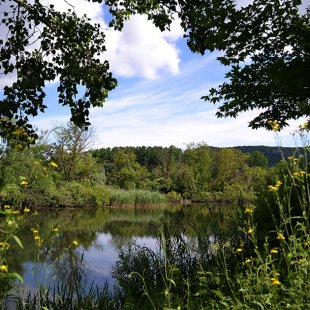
{"x": 89, "y": 240}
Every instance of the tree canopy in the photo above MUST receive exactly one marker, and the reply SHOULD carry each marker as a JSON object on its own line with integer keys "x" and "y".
{"x": 265, "y": 45}
{"x": 39, "y": 46}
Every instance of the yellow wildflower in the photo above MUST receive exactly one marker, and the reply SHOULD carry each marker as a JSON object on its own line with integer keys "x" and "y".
{"x": 4, "y": 268}
{"x": 27, "y": 210}
{"x": 250, "y": 231}
{"x": 15, "y": 212}
{"x": 23, "y": 183}
{"x": 272, "y": 188}
{"x": 239, "y": 250}
{"x": 278, "y": 183}
{"x": 35, "y": 231}
{"x": 38, "y": 239}
{"x": 75, "y": 242}
{"x": 53, "y": 164}
{"x": 298, "y": 174}
{"x": 56, "y": 230}
{"x": 4, "y": 245}
{"x": 275, "y": 188}
{"x": 249, "y": 210}
{"x": 248, "y": 260}
{"x": 280, "y": 237}
{"x": 274, "y": 251}
{"x": 7, "y": 207}
{"x": 275, "y": 281}
{"x": 275, "y": 126}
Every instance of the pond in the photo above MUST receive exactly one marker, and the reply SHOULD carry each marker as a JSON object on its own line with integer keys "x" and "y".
{"x": 89, "y": 241}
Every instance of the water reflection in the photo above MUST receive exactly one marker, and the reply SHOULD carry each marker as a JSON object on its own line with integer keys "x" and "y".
{"x": 101, "y": 234}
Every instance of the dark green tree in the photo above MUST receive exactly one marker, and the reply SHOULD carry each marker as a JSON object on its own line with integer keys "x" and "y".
{"x": 257, "y": 159}
{"x": 124, "y": 172}
{"x": 62, "y": 46}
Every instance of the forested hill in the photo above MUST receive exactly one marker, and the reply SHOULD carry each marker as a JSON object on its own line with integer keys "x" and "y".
{"x": 274, "y": 154}
{"x": 150, "y": 157}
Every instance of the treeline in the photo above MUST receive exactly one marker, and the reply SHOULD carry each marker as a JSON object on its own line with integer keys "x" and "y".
{"x": 199, "y": 173}
{"x": 273, "y": 154}
{"x": 62, "y": 171}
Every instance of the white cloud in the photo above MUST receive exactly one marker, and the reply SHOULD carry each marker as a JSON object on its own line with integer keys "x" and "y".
{"x": 143, "y": 50}
{"x": 170, "y": 112}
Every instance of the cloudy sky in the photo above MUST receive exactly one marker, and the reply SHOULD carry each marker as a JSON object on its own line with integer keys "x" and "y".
{"x": 158, "y": 100}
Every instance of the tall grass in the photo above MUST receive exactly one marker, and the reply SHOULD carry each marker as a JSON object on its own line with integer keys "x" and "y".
{"x": 69, "y": 298}
{"x": 239, "y": 273}
{"x": 138, "y": 198}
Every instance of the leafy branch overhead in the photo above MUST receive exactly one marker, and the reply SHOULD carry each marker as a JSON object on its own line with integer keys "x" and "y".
{"x": 265, "y": 45}
{"x": 39, "y": 46}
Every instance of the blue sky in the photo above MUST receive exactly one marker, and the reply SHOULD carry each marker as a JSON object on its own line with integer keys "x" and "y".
{"x": 158, "y": 100}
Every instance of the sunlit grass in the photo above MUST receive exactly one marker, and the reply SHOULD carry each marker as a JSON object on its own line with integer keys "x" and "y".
{"x": 138, "y": 198}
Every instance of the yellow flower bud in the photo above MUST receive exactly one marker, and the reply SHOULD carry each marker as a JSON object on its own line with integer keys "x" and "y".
{"x": 4, "y": 268}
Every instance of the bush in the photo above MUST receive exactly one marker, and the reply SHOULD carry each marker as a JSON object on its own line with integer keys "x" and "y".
{"x": 82, "y": 194}
{"x": 12, "y": 194}
{"x": 174, "y": 197}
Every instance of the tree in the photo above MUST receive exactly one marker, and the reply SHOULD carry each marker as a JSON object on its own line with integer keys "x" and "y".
{"x": 124, "y": 171}
{"x": 68, "y": 148}
{"x": 229, "y": 165}
{"x": 266, "y": 46}
{"x": 198, "y": 158}
{"x": 62, "y": 46}
{"x": 258, "y": 159}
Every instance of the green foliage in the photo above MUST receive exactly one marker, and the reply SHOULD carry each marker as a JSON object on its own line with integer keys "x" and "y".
{"x": 258, "y": 159}
{"x": 83, "y": 194}
{"x": 174, "y": 197}
{"x": 10, "y": 220}
{"x": 71, "y": 298}
{"x": 67, "y": 147}
{"x": 123, "y": 171}
{"x": 265, "y": 44}
{"x": 119, "y": 197}
{"x": 197, "y": 173}
{"x": 61, "y": 39}
{"x": 229, "y": 273}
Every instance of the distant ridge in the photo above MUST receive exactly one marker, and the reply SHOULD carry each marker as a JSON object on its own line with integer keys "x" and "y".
{"x": 273, "y": 153}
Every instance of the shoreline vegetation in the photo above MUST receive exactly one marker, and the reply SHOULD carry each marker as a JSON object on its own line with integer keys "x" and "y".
{"x": 63, "y": 173}
{"x": 261, "y": 263}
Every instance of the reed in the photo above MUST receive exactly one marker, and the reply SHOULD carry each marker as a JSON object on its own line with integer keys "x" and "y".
{"x": 137, "y": 198}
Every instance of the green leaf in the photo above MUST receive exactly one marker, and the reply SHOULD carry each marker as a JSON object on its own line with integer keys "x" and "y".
{"x": 18, "y": 241}
{"x": 17, "y": 276}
